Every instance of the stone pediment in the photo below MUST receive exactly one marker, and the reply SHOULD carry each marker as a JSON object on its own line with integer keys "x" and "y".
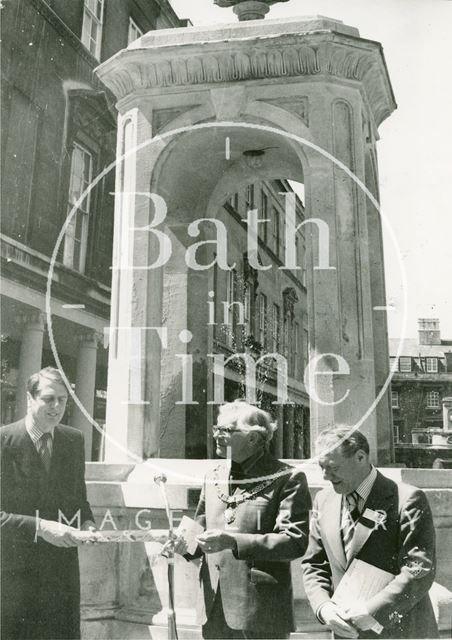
{"x": 277, "y": 50}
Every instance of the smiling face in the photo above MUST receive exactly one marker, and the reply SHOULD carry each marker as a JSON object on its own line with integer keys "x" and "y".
{"x": 344, "y": 473}
{"x": 47, "y": 407}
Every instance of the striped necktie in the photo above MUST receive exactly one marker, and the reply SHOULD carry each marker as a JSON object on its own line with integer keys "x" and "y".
{"x": 44, "y": 450}
{"x": 350, "y": 514}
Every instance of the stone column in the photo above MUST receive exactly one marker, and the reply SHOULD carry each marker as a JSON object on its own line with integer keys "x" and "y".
{"x": 342, "y": 382}
{"x": 30, "y": 356}
{"x": 85, "y": 386}
{"x": 133, "y": 396}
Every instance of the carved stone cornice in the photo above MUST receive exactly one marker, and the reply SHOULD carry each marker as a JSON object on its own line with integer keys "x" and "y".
{"x": 288, "y": 55}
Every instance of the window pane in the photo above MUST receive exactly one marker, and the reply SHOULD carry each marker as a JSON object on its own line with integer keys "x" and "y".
{"x": 405, "y": 364}
{"x": 76, "y": 234}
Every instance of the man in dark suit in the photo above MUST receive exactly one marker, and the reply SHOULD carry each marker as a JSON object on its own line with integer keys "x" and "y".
{"x": 43, "y": 507}
{"x": 255, "y": 512}
{"x": 366, "y": 516}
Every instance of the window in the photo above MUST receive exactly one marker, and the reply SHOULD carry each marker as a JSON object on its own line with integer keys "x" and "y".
{"x": 134, "y": 31}
{"x": 234, "y": 201}
{"x": 275, "y": 329}
{"x": 249, "y": 198}
{"x": 431, "y": 365}
{"x": 396, "y": 432}
{"x": 263, "y": 319}
{"x": 19, "y": 160}
{"x": 432, "y": 400}
{"x": 296, "y": 351}
{"x": 276, "y": 231}
{"x": 404, "y": 364}
{"x": 76, "y": 238}
{"x": 264, "y": 225}
{"x": 395, "y": 399}
{"x": 92, "y": 26}
{"x": 231, "y": 299}
{"x": 248, "y": 309}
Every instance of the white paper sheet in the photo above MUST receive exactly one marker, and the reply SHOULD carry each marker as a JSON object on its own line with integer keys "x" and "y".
{"x": 188, "y": 529}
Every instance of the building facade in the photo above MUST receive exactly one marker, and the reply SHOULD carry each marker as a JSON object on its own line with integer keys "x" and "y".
{"x": 264, "y": 313}
{"x": 59, "y": 133}
{"x": 59, "y": 125}
{"x": 421, "y": 381}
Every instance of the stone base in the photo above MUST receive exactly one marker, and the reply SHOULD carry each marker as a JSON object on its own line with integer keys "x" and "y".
{"x": 124, "y": 586}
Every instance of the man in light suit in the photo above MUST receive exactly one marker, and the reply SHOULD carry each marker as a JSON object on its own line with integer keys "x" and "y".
{"x": 366, "y": 516}
{"x": 42, "y": 490}
{"x": 255, "y": 512}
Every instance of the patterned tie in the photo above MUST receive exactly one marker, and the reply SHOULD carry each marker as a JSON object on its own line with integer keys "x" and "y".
{"x": 350, "y": 514}
{"x": 44, "y": 450}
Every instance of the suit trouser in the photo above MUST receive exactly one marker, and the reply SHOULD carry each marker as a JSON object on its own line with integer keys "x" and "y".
{"x": 216, "y": 627}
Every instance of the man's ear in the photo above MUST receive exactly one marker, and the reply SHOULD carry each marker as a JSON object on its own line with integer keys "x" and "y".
{"x": 361, "y": 455}
{"x": 253, "y": 437}
{"x": 29, "y": 399}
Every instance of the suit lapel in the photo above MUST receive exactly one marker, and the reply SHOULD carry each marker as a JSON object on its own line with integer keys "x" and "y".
{"x": 223, "y": 472}
{"x": 377, "y": 501}
{"x": 30, "y": 459}
{"x": 332, "y": 527}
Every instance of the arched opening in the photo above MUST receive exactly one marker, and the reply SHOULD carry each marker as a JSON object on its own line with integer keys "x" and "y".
{"x": 236, "y": 280}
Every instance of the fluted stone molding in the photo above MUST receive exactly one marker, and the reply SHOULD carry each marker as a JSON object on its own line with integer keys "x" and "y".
{"x": 155, "y": 61}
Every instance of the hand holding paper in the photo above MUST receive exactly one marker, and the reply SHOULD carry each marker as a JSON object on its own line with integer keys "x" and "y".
{"x": 184, "y": 540}
{"x": 334, "y": 617}
{"x": 360, "y": 617}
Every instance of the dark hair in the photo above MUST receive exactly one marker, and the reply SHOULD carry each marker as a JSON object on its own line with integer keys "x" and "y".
{"x": 49, "y": 373}
{"x": 348, "y": 440}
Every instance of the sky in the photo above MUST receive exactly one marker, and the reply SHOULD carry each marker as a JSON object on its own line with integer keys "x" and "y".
{"x": 414, "y": 151}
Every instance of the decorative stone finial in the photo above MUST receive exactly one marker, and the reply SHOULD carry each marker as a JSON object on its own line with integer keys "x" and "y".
{"x": 249, "y": 9}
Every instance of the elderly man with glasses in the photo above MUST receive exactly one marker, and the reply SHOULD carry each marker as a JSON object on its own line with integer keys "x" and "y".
{"x": 255, "y": 512}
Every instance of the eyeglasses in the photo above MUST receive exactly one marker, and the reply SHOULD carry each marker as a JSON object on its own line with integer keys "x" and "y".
{"x": 220, "y": 430}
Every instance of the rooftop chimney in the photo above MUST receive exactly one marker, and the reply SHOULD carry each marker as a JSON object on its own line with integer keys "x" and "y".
{"x": 429, "y": 331}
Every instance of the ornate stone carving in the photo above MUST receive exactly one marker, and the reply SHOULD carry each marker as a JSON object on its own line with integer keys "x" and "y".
{"x": 237, "y": 59}
{"x": 290, "y": 299}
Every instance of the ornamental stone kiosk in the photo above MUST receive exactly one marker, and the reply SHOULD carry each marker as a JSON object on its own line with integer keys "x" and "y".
{"x": 310, "y": 90}
{"x": 294, "y": 87}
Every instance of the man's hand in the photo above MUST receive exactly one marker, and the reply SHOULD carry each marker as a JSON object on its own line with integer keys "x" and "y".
{"x": 89, "y": 527}
{"x": 215, "y": 540}
{"x": 359, "y": 616}
{"x": 58, "y": 534}
{"x": 179, "y": 546}
{"x": 334, "y": 617}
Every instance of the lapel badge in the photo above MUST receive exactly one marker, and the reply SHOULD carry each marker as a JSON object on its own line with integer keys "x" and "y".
{"x": 380, "y": 520}
{"x": 378, "y": 517}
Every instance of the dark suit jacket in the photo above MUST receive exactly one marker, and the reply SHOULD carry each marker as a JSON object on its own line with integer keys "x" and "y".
{"x": 405, "y": 547}
{"x": 40, "y": 582}
{"x": 271, "y": 530}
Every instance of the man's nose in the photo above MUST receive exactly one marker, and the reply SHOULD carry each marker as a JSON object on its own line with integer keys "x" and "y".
{"x": 326, "y": 474}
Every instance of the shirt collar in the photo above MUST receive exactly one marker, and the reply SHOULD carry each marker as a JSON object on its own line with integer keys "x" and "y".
{"x": 33, "y": 430}
{"x": 366, "y": 485}
{"x": 247, "y": 465}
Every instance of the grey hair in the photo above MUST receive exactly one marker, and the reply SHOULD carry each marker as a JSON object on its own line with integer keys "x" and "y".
{"x": 344, "y": 438}
{"x": 250, "y": 418}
